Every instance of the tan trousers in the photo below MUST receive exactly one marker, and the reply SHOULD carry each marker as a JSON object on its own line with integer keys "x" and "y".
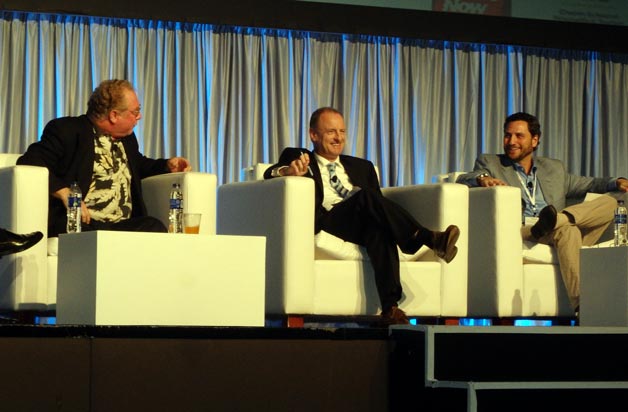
{"x": 590, "y": 221}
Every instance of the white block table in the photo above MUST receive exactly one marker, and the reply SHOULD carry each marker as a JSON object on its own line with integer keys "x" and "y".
{"x": 130, "y": 278}
{"x": 604, "y": 286}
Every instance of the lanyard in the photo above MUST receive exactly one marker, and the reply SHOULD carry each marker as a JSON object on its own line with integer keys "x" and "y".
{"x": 531, "y": 196}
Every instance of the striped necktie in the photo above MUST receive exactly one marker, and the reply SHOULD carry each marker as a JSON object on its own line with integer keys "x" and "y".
{"x": 335, "y": 182}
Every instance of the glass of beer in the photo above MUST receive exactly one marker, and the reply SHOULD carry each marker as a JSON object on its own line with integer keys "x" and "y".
{"x": 191, "y": 222}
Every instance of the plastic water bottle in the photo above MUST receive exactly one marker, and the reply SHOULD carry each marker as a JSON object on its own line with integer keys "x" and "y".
{"x": 74, "y": 209}
{"x": 621, "y": 224}
{"x": 175, "y": 216}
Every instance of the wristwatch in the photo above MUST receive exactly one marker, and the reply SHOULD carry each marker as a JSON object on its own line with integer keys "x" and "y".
{"x": 481, "y": 176}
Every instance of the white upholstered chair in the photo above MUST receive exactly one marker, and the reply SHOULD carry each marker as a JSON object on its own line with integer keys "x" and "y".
{"x": 322, "y": 275}
{"x": 28, "y": 280}
{"x": 507, "y": 276}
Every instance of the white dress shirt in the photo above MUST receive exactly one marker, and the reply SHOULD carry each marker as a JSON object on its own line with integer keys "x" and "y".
{"x": 331, "y": 197}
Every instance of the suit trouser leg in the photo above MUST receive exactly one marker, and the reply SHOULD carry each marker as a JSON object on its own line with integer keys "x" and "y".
{"x": 588, "y": 222}
{"x": 134, "y": 224}
{"x": 378, "y": 224}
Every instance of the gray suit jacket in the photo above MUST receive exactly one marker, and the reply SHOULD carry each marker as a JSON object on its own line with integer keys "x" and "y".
{"x": 557, "y": 185}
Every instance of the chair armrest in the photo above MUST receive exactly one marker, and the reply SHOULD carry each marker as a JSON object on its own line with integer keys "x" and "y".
{"x": 24, "y": 209}
{"x": 199, "y": 196}
{"x": 495, "y": 251}
{"x": 437, "y": 206}
{"x": 282, "y": 210}
{"x": 24, "y": 203}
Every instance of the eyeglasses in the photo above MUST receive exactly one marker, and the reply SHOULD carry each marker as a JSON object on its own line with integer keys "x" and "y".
{"x": 135, "y": 112}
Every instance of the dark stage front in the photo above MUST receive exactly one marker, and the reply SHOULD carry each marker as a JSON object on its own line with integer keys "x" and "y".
{"x": 57, "y": 368}
{"x": 417, "y": 368}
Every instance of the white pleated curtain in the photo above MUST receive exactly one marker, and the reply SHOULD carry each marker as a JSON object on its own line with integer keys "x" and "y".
{"x": 229, "y": 97}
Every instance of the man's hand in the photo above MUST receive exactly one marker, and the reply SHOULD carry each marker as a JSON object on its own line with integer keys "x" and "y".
{"x": 85, "y": 216}
{"x": 622, "y": 184}
{"x": 298, "y": 167}
{"x": 64, "y": 194}
{"x": 179, "y": 164}
{"x": 487, "y": 181}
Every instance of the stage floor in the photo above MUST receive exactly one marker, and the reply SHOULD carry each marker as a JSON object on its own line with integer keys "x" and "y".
{"x": 415, "y": 368}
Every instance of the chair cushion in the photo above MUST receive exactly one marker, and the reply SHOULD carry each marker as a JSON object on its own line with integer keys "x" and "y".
{"x": 534, "y": 252}
{"x": 330, "y": 247}
{"x": 539, "y": 253}
{"x": 53, "y": 246}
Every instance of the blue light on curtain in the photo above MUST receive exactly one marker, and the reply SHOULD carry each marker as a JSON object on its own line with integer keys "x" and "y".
{"x": 229, "y": 97}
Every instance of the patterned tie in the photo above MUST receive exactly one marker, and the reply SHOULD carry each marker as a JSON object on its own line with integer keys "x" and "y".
{"x": 335, "y": 182}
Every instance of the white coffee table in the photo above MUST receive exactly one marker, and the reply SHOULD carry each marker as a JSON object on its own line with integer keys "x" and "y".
{"x": 604, "y": 286}
{"x": 130, "y": 278}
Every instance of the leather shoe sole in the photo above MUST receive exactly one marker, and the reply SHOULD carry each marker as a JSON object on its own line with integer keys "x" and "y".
{"x": 445, "y": 243}
{"x": 18, "y": 243}
{"x": 546, "y": 222}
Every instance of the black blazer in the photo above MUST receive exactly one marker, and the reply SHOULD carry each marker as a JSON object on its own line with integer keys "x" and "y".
{"x": 66, "y": 149}
{"x": 361, "y": 172}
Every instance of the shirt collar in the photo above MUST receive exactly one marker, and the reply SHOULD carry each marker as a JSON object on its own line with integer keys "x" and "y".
{"x": 322, "y": 162}
{"x": 519, "y": 169}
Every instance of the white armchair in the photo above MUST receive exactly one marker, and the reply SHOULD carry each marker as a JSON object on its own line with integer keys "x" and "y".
{"x": 28, "y": 280}
{"x": 500, "y": 284}
{"x": 322, "y": 275}
{"x": 507, "y": 276}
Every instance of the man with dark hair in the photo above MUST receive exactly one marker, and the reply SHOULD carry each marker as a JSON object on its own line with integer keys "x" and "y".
{"x": 350, "y": 205}
{"x": 545, "y": 185}
{"x": 100, "y": 151}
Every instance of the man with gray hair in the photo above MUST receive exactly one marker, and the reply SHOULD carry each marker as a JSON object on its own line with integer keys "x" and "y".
{"x": 100, "y": 152}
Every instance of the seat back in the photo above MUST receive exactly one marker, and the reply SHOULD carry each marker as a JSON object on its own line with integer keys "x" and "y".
{"x": 8, "y": 159}
{"x": 447, "y": 177}
{"x": 199, "y": 196}
{"x": 256, "y": 172}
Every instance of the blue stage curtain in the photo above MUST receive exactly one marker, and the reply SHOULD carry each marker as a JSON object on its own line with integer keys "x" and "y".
{"x": 229, "y": 97}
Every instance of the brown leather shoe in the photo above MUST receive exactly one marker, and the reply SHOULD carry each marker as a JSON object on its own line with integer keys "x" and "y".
{"x": 444, "y": 243}
{"x": 546, "y": 222}
{"x": 395, "y": 316}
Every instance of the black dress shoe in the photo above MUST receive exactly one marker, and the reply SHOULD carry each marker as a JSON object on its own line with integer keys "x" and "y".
{"x": 546, "y": 222}
{"x": 444, "y": 243}
{"x": 14, "y": 243}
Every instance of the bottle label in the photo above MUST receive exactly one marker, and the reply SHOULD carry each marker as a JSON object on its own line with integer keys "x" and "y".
{"x": 74, "y": 201}
{"x": 621, "y": 219}
{"x": 175, "y": 204}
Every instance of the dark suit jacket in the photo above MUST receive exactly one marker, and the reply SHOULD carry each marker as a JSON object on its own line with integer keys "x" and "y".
{"x": 66, "y": 149}
{"x": 361, "y": 172}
